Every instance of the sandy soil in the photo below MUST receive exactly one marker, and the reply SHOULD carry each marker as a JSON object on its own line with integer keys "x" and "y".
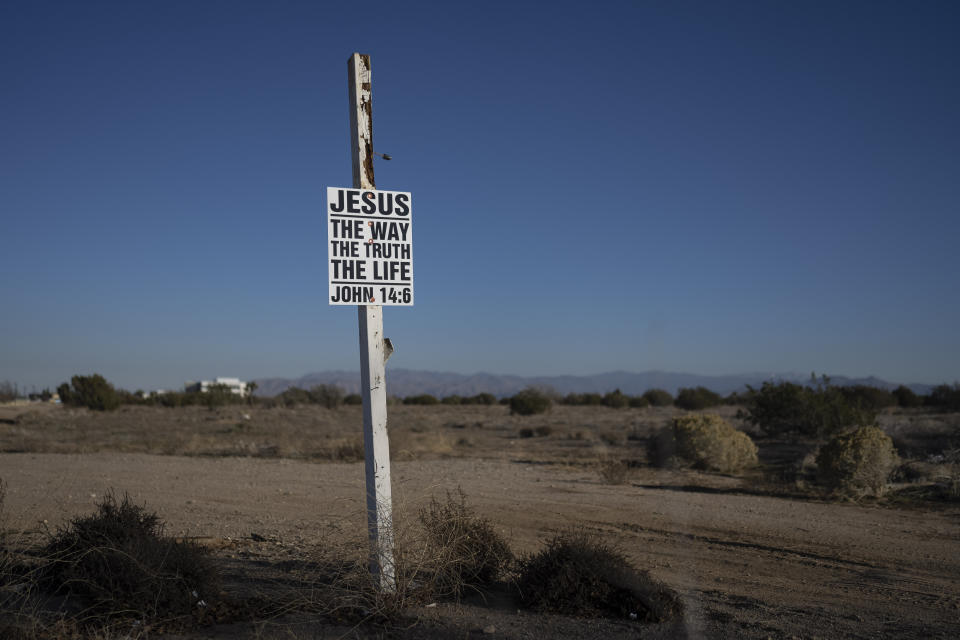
{"x": 747, "y": 565}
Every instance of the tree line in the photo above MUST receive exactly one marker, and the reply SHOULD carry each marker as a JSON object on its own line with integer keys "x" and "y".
{"x": 770, "y": 403}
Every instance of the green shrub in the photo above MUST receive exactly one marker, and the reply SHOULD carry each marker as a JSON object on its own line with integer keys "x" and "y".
{"x": 173, "y": 399}
{"x": 577, "y": 574}
{"x": 776, "y": 408}
{"x": 857, "y": 462}
{"x": 120, "y": 565}
{"x": 126, "y": 397}
{"x": 422, "y": 399}
{"x": 218, "y": 395}
{"x": 697, "y": 399}
{"x": 734, "y": 398}
{"x": 906, "y": 398}
{"x": 945, "y": 397}
{"x": 467, "y": 552}
{"x": 616, "y": 400}
{"x": 705, "y": 441}
{"x": 293, "y": 396}
{"x": 870, "y": 398}
{"x": 454, "y": 400}
{"x": 93, "y": 392}
{"x": 353, "y": 399}
{"x": 481, "y": 398}
{"x": 639, "y": 402}
{"x": 818, "y": 411}
{"x": 530, "y": 402}
{"x": 327, "y": 395}
{"x": 591, "y": 400}
{"x": 658, "y": 397}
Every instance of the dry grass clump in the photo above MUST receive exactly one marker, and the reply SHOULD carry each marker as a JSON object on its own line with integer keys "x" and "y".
{"x": 705, "y": 441}
{"x": 613, "y": 470}
{"x": 578, "y": 574}
{"x": 3, "y": 499}
{"x": 468, "y": 552}
{"x": 118, "y": 564}
{"x": 857, "y": 462}
{"x": 5, "y": 560}
{"x": 940, "y": 473}
{"x": 10, "y": 574}
{"x": 15, "y": 623}
{"x": 342, "y": 589}
{"x": 950, "y": 489}
{"x": 453, "y": 551}
{"x": 540, "y": 432}
{"x": 447, "y": 552}
{"x": 28, "y": 613}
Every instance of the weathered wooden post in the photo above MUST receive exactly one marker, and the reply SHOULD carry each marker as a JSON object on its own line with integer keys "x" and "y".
{"x": 372, "y": 356}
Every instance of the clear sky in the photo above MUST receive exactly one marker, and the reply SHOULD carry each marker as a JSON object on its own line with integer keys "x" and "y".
{"x": 705, "y": 187}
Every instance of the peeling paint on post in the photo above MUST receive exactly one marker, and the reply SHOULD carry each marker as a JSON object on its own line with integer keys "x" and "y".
{"x": 361, "y": 121}
{"x": 372, "y": 349}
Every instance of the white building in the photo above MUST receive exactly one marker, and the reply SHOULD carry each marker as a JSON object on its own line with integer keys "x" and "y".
{"x": 235, "y": 385}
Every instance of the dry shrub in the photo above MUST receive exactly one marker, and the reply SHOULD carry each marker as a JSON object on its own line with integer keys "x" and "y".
{"x": 65, "y": 629}
{"x": 10, "y": 571}
{"x": 3, "y": 498}
{"x": 343, "y": 589}
{"x": 16, "y": 587}
{"x": 857, "y": 462}
{"x": 613, "y": 470}
{"x": 412, "y": 445}
{"x": 578, "y": 574}
{"x": 350, "y": 450}
{"x": 951, "y": 488}
{"x": 921, "y": 470}
{"x": 6, "y": 564}
{"x": 539, "y": 432}
{"x": 612, "y": 438}
{"x": 468, "y": 552}
{"x": 447, "y": 552}
{"x": 120, "y": 565}
{"x": 705, "y": 441}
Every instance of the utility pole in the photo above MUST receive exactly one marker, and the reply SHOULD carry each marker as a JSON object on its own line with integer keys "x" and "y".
{"x": 372, "y": 349}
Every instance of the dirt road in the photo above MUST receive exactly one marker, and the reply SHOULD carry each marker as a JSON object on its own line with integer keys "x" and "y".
{"x": 747, "y": 565}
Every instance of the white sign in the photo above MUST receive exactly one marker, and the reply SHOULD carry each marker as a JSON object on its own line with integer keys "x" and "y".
{"x": 369, "y": 247}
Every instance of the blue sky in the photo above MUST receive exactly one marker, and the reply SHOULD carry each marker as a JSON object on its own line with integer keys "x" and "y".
{"x": 688, "y": 186}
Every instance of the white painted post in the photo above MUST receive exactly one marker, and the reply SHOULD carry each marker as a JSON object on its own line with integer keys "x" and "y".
{"x": 372, "y": 357}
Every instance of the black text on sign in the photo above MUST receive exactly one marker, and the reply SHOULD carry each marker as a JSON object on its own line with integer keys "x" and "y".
{"x": 369, "y": 247}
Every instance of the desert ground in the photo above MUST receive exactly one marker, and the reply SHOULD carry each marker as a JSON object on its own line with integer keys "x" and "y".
{"x": 762, "y": 554}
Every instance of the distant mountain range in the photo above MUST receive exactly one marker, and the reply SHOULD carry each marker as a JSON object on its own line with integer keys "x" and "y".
{"x": 407, "y": 382}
